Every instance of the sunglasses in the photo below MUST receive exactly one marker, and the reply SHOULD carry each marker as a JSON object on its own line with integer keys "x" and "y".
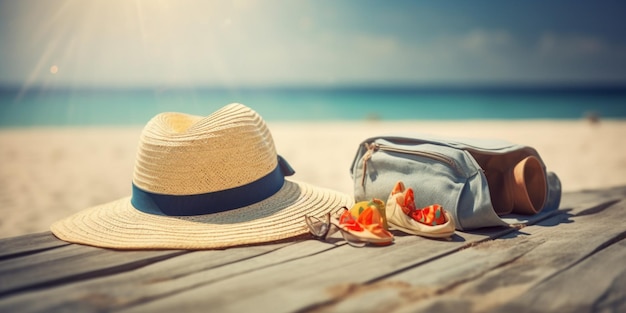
{"x": 322, "y": 229}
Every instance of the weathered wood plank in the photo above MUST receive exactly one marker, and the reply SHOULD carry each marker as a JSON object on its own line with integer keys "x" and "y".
{"x": 592, "y": 198}
{"x": 289, "y": 286}
{"x": 306, "y": 281}
{"x": 421, "y": 283}
{"x": 88, "y": 295}
{"x": 11, "y": 247}
{"x": 249, "y": 290}
{"x": 70, "y": 263}
{"x": 159, "y": 279}
{"x": 165, "y": 281}
{"x": 301, "y": 275}
{"x": 168, "y": 277}
{"x": 496, "y": 272}
{"x": 597, "y": 284}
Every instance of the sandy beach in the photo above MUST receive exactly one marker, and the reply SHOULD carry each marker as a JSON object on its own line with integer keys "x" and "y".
{"x": 49, "y": 173}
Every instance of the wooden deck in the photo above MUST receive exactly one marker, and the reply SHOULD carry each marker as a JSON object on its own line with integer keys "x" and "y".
{"x": 568, "y": 260}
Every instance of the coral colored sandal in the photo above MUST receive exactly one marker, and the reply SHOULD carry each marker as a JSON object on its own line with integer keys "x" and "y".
{"x": 371, "y": 223}
{"x": 376, "y": 204}
{"x": 366, "y": 227}
{"x": 432, "y": 221}
{"x": 366, "y": 223}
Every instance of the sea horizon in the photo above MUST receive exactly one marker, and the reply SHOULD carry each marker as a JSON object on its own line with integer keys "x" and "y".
{"x": 118, "y": 106}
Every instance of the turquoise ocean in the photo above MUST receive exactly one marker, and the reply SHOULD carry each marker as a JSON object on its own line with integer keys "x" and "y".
{"x": 125, "y": 107}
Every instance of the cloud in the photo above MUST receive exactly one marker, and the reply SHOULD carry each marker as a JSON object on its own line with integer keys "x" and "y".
{"x": 475, "y": 54}
{"x": 497, "y": 55}
{"x": 563, "y": 45}
{"x": 480, "y": 40}
{"x": 580, "y": 57}
{"x": 245, "y": 42}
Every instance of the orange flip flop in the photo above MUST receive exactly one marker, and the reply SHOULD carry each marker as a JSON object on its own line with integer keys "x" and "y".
{"x": 365, "y": 221}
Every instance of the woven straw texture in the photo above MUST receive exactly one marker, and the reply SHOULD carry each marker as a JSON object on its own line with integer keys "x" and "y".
{"x": 181, "y": 154}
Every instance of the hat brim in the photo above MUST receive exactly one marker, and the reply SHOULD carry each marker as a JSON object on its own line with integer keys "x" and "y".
{"x": 119, "y": 225}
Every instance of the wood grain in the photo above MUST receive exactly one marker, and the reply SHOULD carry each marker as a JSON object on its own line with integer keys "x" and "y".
{"x": 11, "y": 247}
{"x": 575, "y": 251}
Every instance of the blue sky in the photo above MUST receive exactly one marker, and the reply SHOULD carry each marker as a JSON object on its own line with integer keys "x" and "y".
{"x": 114, "y": 43}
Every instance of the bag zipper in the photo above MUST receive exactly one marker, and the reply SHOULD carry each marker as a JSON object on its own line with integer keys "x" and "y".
{"x": 373, "y": 147}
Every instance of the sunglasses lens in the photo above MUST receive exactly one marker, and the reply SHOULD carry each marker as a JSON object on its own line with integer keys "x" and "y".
{"x": 316, "y": 226}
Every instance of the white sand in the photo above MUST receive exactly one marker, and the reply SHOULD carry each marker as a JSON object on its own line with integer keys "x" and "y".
{"x": 49, "y": 173}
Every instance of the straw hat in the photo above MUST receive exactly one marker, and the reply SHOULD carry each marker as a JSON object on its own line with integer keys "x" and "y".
{"x": 203, "y": 183}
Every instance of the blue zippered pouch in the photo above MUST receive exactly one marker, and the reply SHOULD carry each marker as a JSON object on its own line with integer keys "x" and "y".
{"x": 480, "y": 182}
